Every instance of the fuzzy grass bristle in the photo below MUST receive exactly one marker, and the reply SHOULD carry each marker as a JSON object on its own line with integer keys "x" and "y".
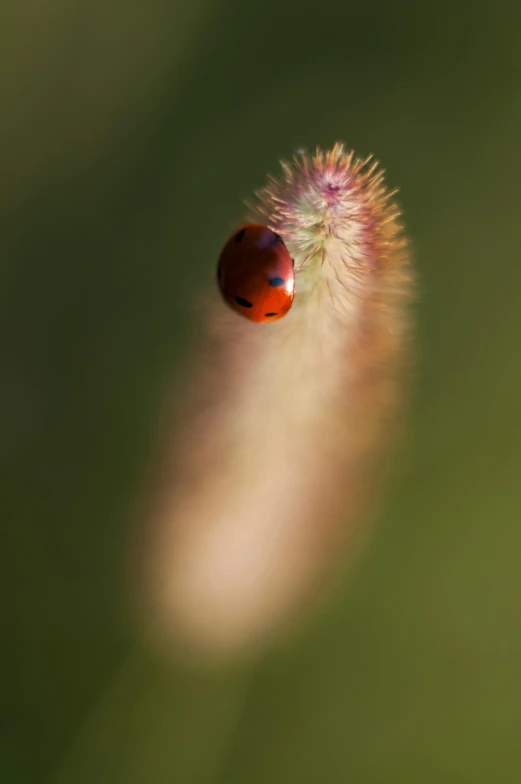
{"x": 272, "y": 464}
{"x": 329, "y": 195}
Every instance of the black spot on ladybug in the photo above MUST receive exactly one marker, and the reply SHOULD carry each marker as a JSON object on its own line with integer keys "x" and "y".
{"x": 270, "y": 314}
{"x": 276, "y": 281}
{"x": 240, "y": 234}
{"x": 243, "y": 302}
{"x": 278, "y": 238}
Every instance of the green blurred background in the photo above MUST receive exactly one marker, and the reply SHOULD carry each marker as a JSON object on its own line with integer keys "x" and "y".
{"x": 130, "y": 133}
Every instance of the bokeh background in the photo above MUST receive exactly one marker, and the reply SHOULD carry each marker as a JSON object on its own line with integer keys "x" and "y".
{"x": 130, "y": 134}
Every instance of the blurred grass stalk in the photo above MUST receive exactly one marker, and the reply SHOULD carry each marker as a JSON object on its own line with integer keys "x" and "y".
{"x": 268, "y": 477}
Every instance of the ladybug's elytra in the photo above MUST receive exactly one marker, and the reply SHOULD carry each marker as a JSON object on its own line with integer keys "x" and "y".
{"x": 255, "y": 273}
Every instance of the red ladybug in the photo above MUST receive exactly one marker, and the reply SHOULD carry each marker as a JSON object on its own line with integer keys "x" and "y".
{"x": 255, "y": 273}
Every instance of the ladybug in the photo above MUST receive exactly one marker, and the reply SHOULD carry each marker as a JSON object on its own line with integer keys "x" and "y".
{"x": 255, "y": 273}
